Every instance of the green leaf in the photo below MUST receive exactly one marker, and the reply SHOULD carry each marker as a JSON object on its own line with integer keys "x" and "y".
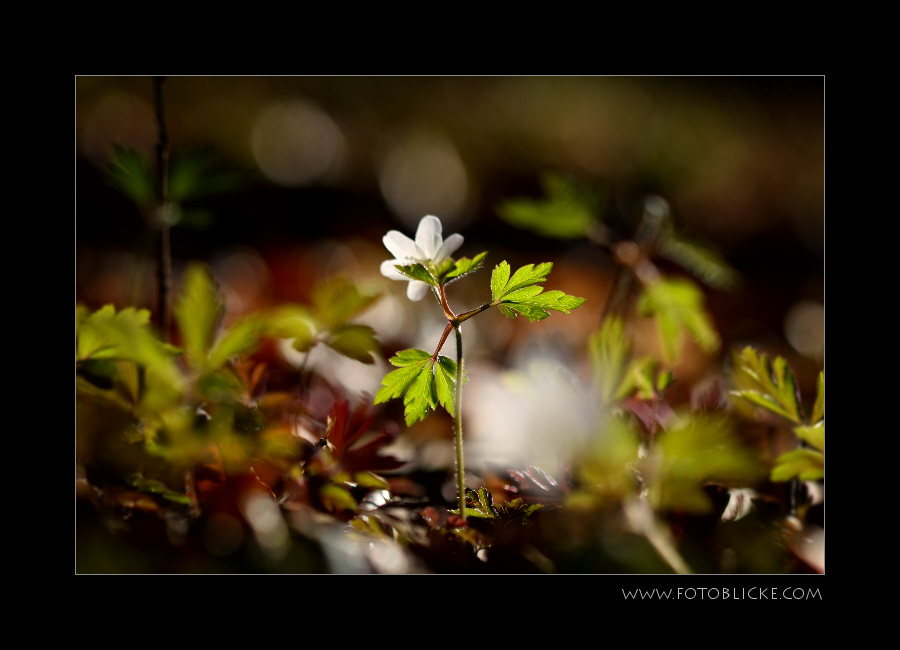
{"x": 464, "y": 266}
{"x": 131, "y": 175}
{"x": 445, "y": 382}
{"x": 336, "y": 497}
{"x": 697, "y": 448}
{"x": 407, "y": 357}
{"x": 526, "y": 276}
{"x": 152, "y": 486}
{"x": 397, "y": 382}
{"x": 813, "y": 435}
{"x": 368, "y": 479}
{"x": 421, "y": 394}
{"x": 532, "y": 313}
{"x": 818, "y": 410}
{"x": 198, "y": 310}
{"x": 338, "y": 300}
{"x": 609, "y": 351}
{"x": 804, "y": 464}
{"x": 567, "y": 212}
{"x": 418, "y": 272}
{"x": 99, "y": 335}
{"x": 521, "y": 296}
{"x": 241, "y": 338}
{"x": 768, "y": 384}
{"x": 355, "y": 341}
{"x": 192, "y": 176}
{"x": 677, "y": 305}
{"x": 294, "y": 322}
{"x": 555, "y": 300}
{"x": 499, "y": 279}
{"x": 696, "y": 257}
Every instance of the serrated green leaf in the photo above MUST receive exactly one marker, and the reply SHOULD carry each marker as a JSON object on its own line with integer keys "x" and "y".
{"x": 526, "y": 276}
{"x": 395, "y": 383}
{"x": 677, "y": 305}
{"x": 241, "y": 338}
{"x": 355, "y": 341}
{"x": 407, "y": 357}
{"x": 418, "y": 272}
{"x": 522, "y": 295}
{"x": 464, "y": 266}
{"x": 766, "y": 401}
{"x": 486, "y": 502}
{"x": 198, "y": 310}
{"x": 499, "y": 279}
{"x": 768, "y": 384}
{"x": 449, "y": 365}
{"x": 531, "y": 312}
{"x": 555, "y": 300}
{"x": 804, "y": 464}
{"x": 445, "y": 383}
{"x": 421, "y": 395}
{"x": 99, "y": 335}
{"x": 813, "y": 435}
{"x": 818, "y": 410}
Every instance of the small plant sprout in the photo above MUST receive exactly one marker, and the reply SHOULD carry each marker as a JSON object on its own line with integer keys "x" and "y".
{"x": 424, "y": 379}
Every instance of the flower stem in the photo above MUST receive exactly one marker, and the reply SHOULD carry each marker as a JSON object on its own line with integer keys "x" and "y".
{"x": 457, "y": 426}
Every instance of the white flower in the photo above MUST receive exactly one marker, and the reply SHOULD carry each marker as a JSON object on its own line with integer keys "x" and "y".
{"x": 428, "y": 248}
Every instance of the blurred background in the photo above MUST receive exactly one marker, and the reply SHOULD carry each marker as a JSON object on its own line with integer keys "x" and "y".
{"x": 325, "y": 165}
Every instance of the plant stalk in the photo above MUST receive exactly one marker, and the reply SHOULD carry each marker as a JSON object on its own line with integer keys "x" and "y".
{"x": 457, "y": 425}
{"x": 165, "y": 250}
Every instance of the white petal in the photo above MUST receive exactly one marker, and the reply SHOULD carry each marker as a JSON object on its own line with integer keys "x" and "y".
{"x": 388, "y": 270}
{"x": 428, "y": 236}
{"x": 401, "y": 246}
{"x": 448, "y": 247}
{"x": 416, "y": 290}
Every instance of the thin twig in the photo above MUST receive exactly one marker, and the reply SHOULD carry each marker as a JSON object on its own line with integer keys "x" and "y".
{"x": 165, "y": 250}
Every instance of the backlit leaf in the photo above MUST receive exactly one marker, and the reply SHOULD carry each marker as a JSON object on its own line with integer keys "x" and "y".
{"x": 464, "y": 266}
{"x": 804, "y": 464}
{"x": 198, "y": 310}
{"x": 677, "y": 305}
{"x": 818, "y": 411}
{"x": 418, "y": 272}
{"x": 499, "y": 278}
{"x": 813, "y": 435}
{"x": 355, "y": 341}
{"x": 241, "y": 338}
{"x": 768, "y": 384}
{"x": 567, "y": 212}
{"x": 698, "y": 258}
{"x": 337, "y": 300}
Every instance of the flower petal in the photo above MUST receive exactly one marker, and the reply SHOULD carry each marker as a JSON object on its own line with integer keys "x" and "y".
{"x": 416, "y": 290}
{"x": 388, "y": 270}
{"x": 401, "y": 246}
{"x": 449, "y": 247}
{"x": 428, "y": 236}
